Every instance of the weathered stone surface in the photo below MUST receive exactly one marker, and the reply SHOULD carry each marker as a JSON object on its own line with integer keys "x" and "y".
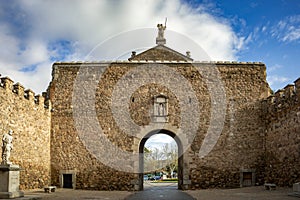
{"x": 239, "y": 146}
{"x": 259, "y": 134}
{"x": 283, "y": 136}
{"x": 30, "y": 122}
{"x": 160, "y": 53}
{"x": 10, "y": 182}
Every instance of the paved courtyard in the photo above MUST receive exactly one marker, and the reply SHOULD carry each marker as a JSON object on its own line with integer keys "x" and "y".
{"x": 166, "y": 192}
{"x": 247, "y": 193}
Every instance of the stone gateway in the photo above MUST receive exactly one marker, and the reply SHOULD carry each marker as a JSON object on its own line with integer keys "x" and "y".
{"x": 89, "y": 129}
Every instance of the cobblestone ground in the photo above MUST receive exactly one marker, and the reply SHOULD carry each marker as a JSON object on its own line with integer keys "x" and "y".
{"x": 166, "y": 192}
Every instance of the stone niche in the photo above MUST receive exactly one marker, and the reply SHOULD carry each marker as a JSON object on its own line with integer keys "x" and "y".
{"x": 10, "y": 182}
{"x": 160, "y": 109}
{"x": 247, "y": 177}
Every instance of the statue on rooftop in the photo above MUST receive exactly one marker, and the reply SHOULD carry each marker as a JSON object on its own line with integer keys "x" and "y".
{"x": 161, "y": 30}
{"x": 7, "y": 146}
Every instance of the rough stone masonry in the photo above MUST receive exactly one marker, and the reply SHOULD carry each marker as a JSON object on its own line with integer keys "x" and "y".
{"x": 258, "y": 140}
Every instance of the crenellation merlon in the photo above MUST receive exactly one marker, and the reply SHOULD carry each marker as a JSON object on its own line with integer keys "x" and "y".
{"x": 39, "y": 99}
{"x": 279, "y": 93}
{"x": 7, "y": 83}
{"x": 45, "y": 95}
{"x": 29, "y": 94}
{"x": 297, "y": 87}
{"x": 286, "y": 98}
{"x": 271, "y": 99}
{"x": 18, "y": 89}
{"x": 289, "y": 90}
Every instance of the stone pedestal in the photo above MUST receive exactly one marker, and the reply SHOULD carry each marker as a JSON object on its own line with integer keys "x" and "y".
{"x": 10, "y": 182}
{"x": 296, "y": 190}
{"x": 160, "y": 41}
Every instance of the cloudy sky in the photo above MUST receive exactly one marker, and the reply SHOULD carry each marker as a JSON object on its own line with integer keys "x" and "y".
{"x": 157, "y": 141}
{"x": 36, "y": 33}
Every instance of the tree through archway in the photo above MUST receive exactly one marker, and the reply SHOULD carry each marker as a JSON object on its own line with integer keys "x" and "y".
{"x": 166, "y": 159}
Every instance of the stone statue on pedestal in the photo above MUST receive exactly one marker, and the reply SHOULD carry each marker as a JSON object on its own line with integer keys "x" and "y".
{"x": 9, "y": 173}
{"x": 160, "y": 39}
{"x": 7, "y": 146}
{"x": 161, "y": 30}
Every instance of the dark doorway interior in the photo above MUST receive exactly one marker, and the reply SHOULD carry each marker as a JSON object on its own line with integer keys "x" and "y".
{"x": 67, "y": 181}
{"x": 247, "y": 179}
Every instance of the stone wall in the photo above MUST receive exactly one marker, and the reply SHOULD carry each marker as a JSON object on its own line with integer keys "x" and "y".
{"x": 259, "y": 134}
{"x": 239, "y": 146}
{"x": 241, "y": 142}
{"x": 29, "y": 118}
{"x": 283, "y": 136}
{"x": 69, "y": 152}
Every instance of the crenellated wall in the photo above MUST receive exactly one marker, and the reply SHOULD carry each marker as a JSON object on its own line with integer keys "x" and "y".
{"x": 28, "y": 116}
{"x": 283, "y": 135}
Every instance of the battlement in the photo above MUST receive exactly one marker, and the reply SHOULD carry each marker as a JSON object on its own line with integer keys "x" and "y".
{"x": 8, "y": 85}
{"x": 284, "y": 99}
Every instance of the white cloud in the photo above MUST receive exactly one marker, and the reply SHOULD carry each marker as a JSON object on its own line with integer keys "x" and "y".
{"x": 158, "y": 140}
{"x": 16, "y": 55}
{"x": 278, "y": 82}
{"x": 293, "y": 34}
{"x": 35, "y": 52}
{"x": 288, "y": 29}
{"x": 274, "y": 68}
{"x": 85, "y": 24}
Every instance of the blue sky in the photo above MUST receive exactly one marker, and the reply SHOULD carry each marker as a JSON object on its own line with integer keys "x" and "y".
{"x": 274, "y": 29}
{"x": 36, "y": 33}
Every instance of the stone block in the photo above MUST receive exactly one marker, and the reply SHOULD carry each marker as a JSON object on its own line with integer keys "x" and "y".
{"x": 187, "y": 182}
{"x": 296, "y": 187}
{"x": 9, "y": 182}
{"x": 296, "y": 190}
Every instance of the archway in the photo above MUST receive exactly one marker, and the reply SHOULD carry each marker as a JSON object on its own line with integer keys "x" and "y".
{"x": 180, "y": 156}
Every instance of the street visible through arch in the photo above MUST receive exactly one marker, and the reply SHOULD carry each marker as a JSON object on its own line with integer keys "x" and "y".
{"x": 180, "y": 161}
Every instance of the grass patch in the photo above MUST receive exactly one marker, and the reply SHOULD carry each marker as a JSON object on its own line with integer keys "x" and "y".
{"x": 171, "y": 180}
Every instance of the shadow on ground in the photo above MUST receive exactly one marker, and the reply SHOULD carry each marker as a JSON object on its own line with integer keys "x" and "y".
{"x": 162, "y": 191}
